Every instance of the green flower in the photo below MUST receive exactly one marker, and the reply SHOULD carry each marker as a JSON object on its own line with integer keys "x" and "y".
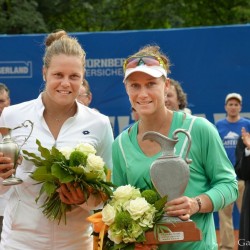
{"x": 77, "y": 158}
{"x": 150, "y": 196}
{"x": 123, "y": 220}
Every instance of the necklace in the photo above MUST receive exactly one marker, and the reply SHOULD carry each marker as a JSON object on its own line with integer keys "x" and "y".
{"x": 64, "y": 116}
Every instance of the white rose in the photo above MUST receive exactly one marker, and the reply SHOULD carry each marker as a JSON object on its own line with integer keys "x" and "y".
{"x": 95, "y": 163}
{"x": 66, "y": 151}
{"x": 137, "y": 207}
{"x": 86, "y": 148}
{"x": 108, "y": 215}
{"x": 127, "y": 192}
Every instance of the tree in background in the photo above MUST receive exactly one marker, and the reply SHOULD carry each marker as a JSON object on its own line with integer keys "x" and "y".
{"x": 21, "y": 17}
{"x": 42, "y": 16}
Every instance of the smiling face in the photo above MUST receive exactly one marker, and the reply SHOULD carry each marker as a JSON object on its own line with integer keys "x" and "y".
{"x": 63, "y": 79}
{"x": 146, "y": 93}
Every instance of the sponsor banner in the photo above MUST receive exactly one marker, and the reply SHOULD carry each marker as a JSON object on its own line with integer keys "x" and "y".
{"x": 16, "y": 69}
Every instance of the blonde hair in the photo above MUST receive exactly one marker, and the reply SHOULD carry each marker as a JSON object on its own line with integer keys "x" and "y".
{"x": 59, "y": 42}
{"x": 154, "y": 50}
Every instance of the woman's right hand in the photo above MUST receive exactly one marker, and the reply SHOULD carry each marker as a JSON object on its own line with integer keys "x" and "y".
{"x": 6, "y": 166}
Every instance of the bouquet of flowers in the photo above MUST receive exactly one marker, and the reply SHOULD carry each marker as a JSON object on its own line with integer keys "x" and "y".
{"x": 79, "y": 165}
{"x": 127, "y": 216}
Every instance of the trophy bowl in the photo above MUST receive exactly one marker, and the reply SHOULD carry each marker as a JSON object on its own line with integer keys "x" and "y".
{"x": 11, "y": 149}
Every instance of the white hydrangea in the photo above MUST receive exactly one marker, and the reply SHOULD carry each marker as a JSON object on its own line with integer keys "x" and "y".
{"x": 115, "y": 237}
{"x": 147, "y": 220}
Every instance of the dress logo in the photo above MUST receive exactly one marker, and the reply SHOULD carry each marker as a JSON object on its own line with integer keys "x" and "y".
{"x": 85, "y": 132}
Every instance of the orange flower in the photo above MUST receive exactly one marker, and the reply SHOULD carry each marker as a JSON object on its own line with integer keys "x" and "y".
{"x": 96, "y": 220}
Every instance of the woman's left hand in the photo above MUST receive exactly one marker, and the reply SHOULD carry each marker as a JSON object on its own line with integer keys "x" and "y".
{"x": 71, "y": 194}
{"x": 182, "y": 207}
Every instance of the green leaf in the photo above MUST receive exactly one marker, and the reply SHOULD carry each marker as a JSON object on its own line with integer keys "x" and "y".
{"x": 57, "y": 156}
{"x": 32, "y": 157}
{"x": 41, "y": 174}
{"x": 67, "y": 179}
{"x": 59, "y": 172}
{"x": 159, "y": 205}
{"x": 124, "y": 246}
{"x": 45, "y": 153}
{"x": 77, "y": 170}
{"x": 91, "y": 176}
{"x": 160, "y": 228}
{"x": 55, "y": 152}
{"x": 50, "y": 187}
{"x": 42, "y": 190}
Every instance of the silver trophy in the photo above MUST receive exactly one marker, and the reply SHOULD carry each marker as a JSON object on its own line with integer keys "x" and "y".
{"x": 169, "y": 173}
{"x": 11, "y": 149}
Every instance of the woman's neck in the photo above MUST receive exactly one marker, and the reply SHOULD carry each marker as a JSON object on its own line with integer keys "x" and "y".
{"x": 56, "y": 112}
{"x": 160, "y": 123}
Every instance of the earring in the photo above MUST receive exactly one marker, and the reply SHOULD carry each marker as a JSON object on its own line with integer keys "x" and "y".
{"x": 44, "y": 78}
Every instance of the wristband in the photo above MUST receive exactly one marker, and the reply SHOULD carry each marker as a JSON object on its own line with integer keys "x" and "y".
{"x": 247, "y": 151}
{"x": 199, "y": 203}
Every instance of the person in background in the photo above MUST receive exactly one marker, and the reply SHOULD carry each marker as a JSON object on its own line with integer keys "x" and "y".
{"x": 229, "y": 129}
{"x": 4, "y": 97}
{"x": 59, "y": 120}
{"x": 176, "y": 98}
{"x": 85, "y": 95}
{"x": 134, "y": 117}
{"x": 212, "y": 183}
{"x": 242, "y": 168}
{"x": 4, "y": 102}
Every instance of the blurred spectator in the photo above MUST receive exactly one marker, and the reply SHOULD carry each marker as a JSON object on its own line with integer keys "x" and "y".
{"x": 229, "y": 129}
{"x": 4, "y": 97}
{"x": 4, "y": 102}
{"x": 85, "y": 95}
{"x": 176, "y": 98}
{"x": 134, "y": 117}
{"x": 242, "y": 168}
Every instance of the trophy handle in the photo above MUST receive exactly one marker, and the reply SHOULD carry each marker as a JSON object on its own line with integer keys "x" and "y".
{"x": 25, "y": 124}
{"x": 175, "y": 137}
{"x": 167, "y": 144}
